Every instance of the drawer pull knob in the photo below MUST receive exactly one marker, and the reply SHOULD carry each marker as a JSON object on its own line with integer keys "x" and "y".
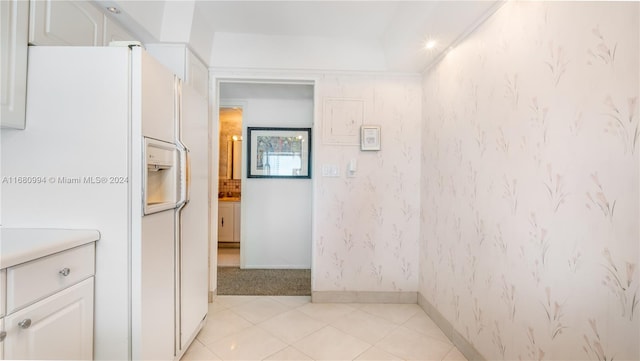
{"x": 2, "y": 336}
{"x": 26, "y": 323}
{"x": 65, "y": 271}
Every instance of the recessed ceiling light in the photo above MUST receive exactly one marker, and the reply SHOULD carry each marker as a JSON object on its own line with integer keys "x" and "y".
{"x": 113, "y": 10}
{"x": 430, "y": 44}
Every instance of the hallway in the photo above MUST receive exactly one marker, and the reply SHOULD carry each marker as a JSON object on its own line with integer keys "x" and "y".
{"x": 293, "y": 328}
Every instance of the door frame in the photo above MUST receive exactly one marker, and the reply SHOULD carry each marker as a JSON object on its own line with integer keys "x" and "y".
{"x": 218, "y": 77}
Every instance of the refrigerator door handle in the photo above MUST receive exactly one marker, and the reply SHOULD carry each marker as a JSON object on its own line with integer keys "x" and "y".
{"x": 183, "y": 178}
{"x": 187, "y": 183}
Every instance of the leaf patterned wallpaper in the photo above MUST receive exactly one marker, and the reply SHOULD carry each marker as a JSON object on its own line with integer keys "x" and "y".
{"x": 367, "y": 226}
{"x": 529, "y": 240}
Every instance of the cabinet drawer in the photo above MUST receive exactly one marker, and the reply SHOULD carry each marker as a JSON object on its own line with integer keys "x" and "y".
{"x": 31, "y": 281}
{"x": 2, "y": 293}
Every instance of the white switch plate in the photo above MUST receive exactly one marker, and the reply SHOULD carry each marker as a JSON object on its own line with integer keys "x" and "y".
{"x": 330, "y": 170}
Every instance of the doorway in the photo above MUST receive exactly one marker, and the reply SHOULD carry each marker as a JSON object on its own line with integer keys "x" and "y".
{"x": 230, "y": 185}
{"x": 275, "y": 214}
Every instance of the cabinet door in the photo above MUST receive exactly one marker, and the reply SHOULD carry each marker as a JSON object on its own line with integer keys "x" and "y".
{"x": 58, "y": 327}
{"x": 197, "y": 74}
{"x": 2, "y": 336}
{"x": 225, "y": 222}
{"x": 3, "y": 283}
{"x": 236, "y": 222}
{"x": 114, "y": 32}
{"x": 54, "y": 22}
{"x": 13, "y": 63}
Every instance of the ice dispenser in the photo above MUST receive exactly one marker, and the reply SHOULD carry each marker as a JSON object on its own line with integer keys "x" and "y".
{"x": 160, "y": 176}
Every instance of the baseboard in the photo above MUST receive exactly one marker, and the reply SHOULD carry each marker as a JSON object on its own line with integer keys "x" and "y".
{"x": 363, "y": 297}
{"x": 465, "y": 347}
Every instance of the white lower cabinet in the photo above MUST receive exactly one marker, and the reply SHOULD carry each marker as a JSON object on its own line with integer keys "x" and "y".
{"x": 47, "y": 306}
{"x": 228, "y": 221}
{"x": 236, "y": 222}
{"x": 225, "y": 221}
{"x": 59, "y": 327}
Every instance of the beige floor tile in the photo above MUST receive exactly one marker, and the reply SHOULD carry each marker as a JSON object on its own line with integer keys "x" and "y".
{"x": 365, "y": 326}
{"x": 330, "y": 343}
{"x": 376, "y": 354}
{"x": 292, "y": 301}
{"x": 233, "y": 301}
{"x": 288, "y": 353}
{"x": 215, "y": 307}
{"x": 455, "y": 355}
{"x": 222, "y": 324}
{"x": 396, "y": 313}
{"x": 252, "y": 343}
{"x": 291, "y": 326}
{"x": 260, "y": 309}
{"x": 197, "y": 351}
{"x": 327, "y": 312}
{"x": 422, "y": 323}
{"x": 412, "y": 345}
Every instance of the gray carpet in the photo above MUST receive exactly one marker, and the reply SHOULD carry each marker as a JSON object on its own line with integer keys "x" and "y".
{"x": 264, "y": 282}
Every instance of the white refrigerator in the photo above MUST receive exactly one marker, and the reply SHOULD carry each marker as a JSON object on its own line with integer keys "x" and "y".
{"x": 123, "y": 146}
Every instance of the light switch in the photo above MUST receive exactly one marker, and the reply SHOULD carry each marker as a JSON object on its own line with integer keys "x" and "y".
{"x": 330, "y": 170}
{"x": 352, "y": 167}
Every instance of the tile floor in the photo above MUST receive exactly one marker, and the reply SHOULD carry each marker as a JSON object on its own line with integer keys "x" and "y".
{"x": 293, "y": 328}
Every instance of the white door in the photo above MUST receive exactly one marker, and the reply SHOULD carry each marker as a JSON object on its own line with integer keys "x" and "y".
{"x": 194, "y": 246}
{"x": 60, "y": 327}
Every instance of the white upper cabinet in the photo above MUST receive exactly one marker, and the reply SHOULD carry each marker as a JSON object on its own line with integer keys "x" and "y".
{"x": 114, "y": 32}
{"x": 197, "y": 74}
{"x": 53, "y": 22}
{"x": 184, "y": 63}
{"x": 44, "y": 22}
{"x": 14, "y": 25}
{"x": 3, "y": 335}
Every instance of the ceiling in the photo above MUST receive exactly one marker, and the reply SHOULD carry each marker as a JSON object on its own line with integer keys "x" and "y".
{"x": 319, "y": 34}
{"x": 303, "y": 18}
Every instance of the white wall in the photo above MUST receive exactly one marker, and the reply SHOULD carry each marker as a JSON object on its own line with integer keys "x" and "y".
{"x": 529, "y": 240}
{"x": 276, "y": 213}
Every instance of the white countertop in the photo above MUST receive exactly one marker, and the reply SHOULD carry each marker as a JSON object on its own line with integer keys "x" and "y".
{"x": 19, "y": 245}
